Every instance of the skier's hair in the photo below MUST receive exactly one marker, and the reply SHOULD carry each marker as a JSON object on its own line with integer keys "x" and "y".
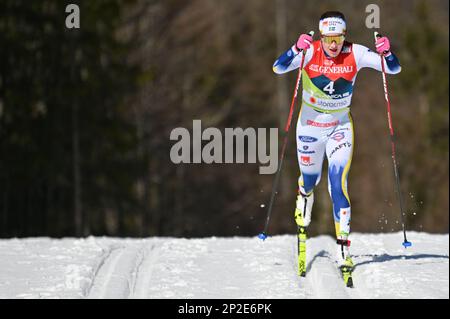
{"x": 333, "y": 14}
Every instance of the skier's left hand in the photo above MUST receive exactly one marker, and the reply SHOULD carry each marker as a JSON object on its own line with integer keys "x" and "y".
{"x": 382, "y": 45}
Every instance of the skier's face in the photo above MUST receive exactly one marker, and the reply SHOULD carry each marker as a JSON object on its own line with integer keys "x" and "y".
{"x": 332, "y": 44}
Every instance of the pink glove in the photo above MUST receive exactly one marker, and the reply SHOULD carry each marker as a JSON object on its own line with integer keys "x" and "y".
{"x": 304, "y": 42}
{"x": 382, "y": 44}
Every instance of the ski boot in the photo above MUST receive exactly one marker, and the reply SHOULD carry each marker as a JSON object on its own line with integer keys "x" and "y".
{"x": 302, "y": 216}
{"x": 344, "y": 260}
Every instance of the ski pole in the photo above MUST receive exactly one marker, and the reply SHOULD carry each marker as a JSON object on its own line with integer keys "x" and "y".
{"x": 406, "y": 243}
{"x": 263, "y": 235}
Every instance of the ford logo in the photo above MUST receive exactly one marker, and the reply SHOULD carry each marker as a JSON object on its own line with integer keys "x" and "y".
{"x": 307, "y": 139}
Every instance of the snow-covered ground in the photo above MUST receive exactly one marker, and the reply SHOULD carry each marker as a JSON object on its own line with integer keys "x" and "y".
{"x": 222, "y": 268}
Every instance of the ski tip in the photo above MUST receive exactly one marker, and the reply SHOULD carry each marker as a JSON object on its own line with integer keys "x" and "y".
{"x": 407, "y": 244}
{"x": 262, "y": 236}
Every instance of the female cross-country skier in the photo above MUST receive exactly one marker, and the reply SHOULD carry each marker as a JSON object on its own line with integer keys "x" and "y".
{"x": 325, "y": 125}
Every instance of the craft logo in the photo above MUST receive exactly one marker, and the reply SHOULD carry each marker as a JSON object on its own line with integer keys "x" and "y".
{"x": 337, "y": 148}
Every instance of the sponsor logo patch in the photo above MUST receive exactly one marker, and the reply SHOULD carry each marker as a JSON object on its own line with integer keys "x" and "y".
{"x": 306, "y": 161}
{"x": 336, "y": 69}
{"x": 304, "y": 151}
{"x": 318, "y": 124}
{"x": 339, "y": 136}
{"x": 307, "y": 139}
{"x": 337, "y": 148}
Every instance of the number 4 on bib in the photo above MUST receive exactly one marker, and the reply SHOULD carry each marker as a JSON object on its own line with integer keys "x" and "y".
{"x": 329, "y": 88}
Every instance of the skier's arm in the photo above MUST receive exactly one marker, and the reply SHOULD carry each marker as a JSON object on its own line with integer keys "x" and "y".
{"x": 290, "y": 60}
{"x": 366, "y": 58}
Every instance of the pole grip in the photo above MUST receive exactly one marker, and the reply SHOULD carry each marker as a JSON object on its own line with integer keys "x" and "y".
{"x": 376, "y": 35}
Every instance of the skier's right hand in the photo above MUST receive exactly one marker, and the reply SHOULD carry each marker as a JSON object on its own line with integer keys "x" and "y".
{"x": 304, "y": 42}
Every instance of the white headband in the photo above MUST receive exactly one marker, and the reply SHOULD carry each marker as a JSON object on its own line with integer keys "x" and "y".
{"x": 332, "y": 25}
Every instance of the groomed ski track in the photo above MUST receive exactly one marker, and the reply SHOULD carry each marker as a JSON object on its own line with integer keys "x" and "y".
{"x": 210, "y": 268}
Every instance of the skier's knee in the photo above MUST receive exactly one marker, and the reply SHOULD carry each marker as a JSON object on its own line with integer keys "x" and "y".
{"x": 337, "y": 189}
{"x": 309, "y": 181}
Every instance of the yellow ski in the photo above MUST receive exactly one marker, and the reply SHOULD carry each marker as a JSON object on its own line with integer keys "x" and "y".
{"x": 301, "y": 239}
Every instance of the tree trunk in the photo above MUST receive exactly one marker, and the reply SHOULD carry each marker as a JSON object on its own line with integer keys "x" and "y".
{"x": 77, "y": 203}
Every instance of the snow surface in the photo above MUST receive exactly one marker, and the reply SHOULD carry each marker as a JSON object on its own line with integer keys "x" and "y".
{"x": 222, "y": 268}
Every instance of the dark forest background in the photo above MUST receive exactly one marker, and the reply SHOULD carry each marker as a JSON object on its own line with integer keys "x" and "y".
{"x": 86, "y": 115}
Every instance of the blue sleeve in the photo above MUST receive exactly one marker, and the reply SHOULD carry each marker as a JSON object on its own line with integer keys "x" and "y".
{"x": 392, "y": 63}
{"x": 285, "y": 62}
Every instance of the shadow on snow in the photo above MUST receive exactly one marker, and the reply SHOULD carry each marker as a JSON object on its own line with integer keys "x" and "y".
{"x": 377, "y": 258}
{"x": 386, "y": 257}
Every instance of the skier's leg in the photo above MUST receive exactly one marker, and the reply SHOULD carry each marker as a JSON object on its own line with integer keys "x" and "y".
{"x": 339, "y": 153}
{"x": 310, "y": 151}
